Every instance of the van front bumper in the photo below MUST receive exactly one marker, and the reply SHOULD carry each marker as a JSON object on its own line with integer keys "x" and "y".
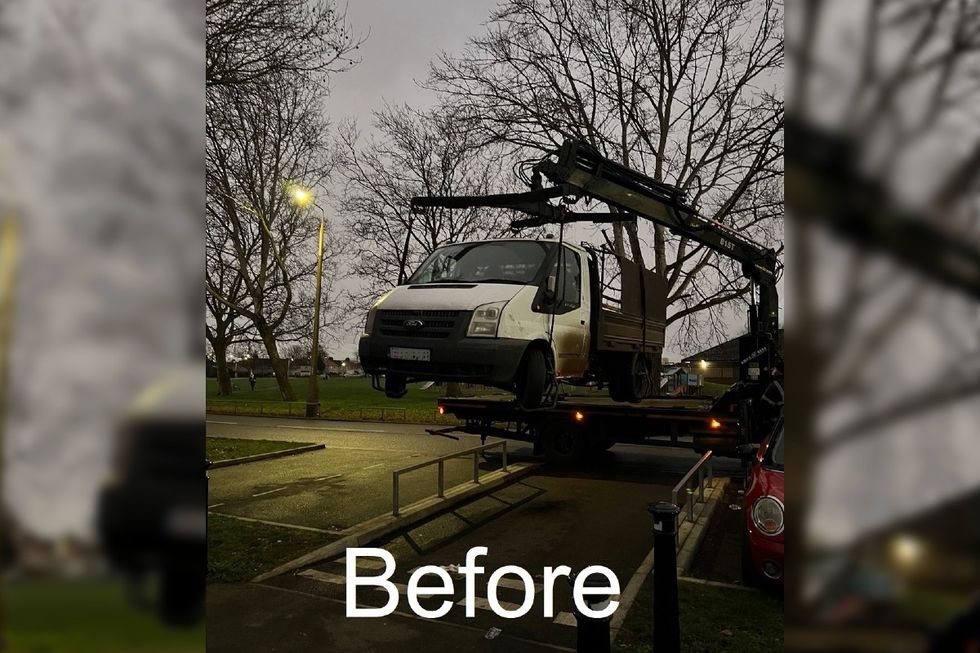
{"x": 488, "y": 361}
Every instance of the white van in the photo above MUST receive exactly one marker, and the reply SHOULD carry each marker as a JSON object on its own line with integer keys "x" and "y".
{"x": 516, "y": 314}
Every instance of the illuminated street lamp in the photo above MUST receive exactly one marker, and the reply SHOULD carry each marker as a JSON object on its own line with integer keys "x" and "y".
{"x": 704, "y": 364}
{"x": 303, "y": 198}
{"x": 906, "y": 550}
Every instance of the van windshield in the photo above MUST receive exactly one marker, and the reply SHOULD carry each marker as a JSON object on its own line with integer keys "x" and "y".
{"x": 511, "y": 261}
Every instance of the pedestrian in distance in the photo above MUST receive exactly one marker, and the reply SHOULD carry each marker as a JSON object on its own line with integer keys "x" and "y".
{"x": 251, "y": 379}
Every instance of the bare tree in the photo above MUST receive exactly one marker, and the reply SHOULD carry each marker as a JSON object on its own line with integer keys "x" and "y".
{"x": 414, "y": 153}
{"x": 224, "y": 325}
{"x": 259, "y": 142}
{"x": 686, "y": 91}
{"x": 252, "y": 40}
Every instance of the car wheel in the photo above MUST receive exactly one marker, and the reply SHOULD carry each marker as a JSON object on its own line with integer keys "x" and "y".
{"x": 749, "y": 575}
{"x": 395, "y": 386}
{"x": 532, "y": 379}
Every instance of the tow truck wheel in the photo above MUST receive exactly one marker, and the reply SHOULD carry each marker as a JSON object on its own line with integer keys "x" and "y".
{"x": 564, "y": 443}
{"x": 532, "y": 379}
{"x": 395, "y": 386}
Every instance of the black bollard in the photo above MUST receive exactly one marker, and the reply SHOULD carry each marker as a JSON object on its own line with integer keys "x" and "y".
{"x": 592, "y": 635}
{"x": 666, "y": 618}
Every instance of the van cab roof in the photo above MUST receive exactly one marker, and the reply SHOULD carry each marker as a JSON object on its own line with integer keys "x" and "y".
{"x": 519, "y": 240}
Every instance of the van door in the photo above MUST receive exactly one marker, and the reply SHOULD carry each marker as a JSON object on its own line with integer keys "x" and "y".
{"x": 571, "y": 310}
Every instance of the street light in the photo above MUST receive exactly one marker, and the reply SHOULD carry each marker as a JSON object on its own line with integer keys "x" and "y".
{"x": 906, "y": 550}
{"x": 704, "y": 364}
{"x": 302, "y": 198}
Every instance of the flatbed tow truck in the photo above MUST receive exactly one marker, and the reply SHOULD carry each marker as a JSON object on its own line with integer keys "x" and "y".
{"x": 567, "y": 429}
{"x": 576, "y": 427}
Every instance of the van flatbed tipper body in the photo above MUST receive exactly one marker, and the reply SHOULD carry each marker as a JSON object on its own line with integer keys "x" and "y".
{"x": 578, "y": 426}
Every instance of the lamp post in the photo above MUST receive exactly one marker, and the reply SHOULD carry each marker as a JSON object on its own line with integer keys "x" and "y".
{"x": 303, "y": 198}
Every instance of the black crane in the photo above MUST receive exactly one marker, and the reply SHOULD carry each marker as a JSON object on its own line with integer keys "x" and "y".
{"x": 580, "y": 172}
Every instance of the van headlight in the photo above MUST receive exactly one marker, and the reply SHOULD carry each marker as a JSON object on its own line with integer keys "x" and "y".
{"x": 372, "y": 313}
{"x": 369, "y": 325}
{"x": 485, "y": 320}
{"x": 767, "y": 515}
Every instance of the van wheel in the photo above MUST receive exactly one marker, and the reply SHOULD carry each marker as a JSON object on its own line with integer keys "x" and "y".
{"x": 532, "y": 379}
{"x": 563, "y": 442}
{"x": 616, "y": 390}
{"x": 395, "y": 386}
{"x": 629, "y": 378}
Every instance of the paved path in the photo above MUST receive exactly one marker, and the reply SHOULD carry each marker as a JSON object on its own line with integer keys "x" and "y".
{"x": 596, "y": 516}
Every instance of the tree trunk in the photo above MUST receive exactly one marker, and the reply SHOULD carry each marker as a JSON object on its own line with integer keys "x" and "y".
{"x": 618, "y": 239}
{"x": 221, "y": 365}
{"x": 635, "y": 246}
{"x": 278, "y": 364}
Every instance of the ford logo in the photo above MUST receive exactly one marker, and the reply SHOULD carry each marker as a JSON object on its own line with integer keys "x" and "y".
{"x": 414, "y": 324}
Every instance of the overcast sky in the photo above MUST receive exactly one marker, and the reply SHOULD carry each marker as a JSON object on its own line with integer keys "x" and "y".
{"x": 402, "y": 38}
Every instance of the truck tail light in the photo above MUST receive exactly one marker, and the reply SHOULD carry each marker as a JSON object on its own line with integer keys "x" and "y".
{"x": 715, "y": 424}
{"x": 441, "y": 409}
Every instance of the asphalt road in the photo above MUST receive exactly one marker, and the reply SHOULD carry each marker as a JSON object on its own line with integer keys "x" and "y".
{"x": 574, "y": 517}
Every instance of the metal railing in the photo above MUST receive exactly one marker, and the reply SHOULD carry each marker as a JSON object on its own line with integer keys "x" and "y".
{"x": 706, "y": 460}
{"x": 440, "y": 461}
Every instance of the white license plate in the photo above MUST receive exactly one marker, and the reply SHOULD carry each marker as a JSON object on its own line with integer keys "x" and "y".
{"x": 409, "y": 354}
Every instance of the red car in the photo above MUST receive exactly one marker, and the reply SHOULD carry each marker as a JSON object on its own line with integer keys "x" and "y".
{"x": 762, "y": 547}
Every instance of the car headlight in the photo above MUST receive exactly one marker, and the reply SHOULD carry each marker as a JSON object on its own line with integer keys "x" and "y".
{"x": 485, "y": 319}
{"x": 767, "y": 515}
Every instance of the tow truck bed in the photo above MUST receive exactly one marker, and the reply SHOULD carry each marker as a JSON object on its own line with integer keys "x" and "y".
{"x": 576, "y": 426}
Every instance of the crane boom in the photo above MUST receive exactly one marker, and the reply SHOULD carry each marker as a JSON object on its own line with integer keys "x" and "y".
{"x": 582, "y": 172}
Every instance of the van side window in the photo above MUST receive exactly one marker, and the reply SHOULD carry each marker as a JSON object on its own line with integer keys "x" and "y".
{"x": 570, "y": 284}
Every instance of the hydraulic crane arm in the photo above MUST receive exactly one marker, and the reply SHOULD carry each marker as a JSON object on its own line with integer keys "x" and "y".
{"x": 582, "y": 172}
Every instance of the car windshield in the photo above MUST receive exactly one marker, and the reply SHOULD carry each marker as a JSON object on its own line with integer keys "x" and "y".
{"x": 511, "y": 261}
{"x": 775, "y": 456}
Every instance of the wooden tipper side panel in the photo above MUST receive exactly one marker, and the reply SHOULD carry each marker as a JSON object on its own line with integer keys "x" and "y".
{"x": 622, "y": 330}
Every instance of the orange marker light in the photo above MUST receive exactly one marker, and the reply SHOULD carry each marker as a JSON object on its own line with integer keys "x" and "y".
{"x": 579, "y": 416}
{"x": 715, "y": 424}
{"x": 442, "y": 410}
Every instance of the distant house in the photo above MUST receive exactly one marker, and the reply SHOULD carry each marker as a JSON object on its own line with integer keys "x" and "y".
{"x": 678, "y": 380}
{"x": 719, "y": 364}
{"x": 345, "y": 367}
{"x": 353, "y": 367}
{"x": 334, "y": 367}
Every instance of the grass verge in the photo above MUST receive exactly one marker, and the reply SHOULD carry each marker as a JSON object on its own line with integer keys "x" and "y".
{"x": 340, "y": 398}
{"x": 238, "y": 551}
{"x": 87, "y": 616}
{"x": 715, "y": 619}
{"x": 228, "y": 448}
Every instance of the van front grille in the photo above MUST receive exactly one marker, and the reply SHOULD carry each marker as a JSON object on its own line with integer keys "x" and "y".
{"x": 418, "y": 324}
